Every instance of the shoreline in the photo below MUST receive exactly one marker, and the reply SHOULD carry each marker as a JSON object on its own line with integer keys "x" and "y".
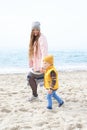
{"x": 26, "y": 72}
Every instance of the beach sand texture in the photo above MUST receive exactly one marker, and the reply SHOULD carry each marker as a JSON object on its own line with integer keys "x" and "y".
{"x": 17, "y": 113}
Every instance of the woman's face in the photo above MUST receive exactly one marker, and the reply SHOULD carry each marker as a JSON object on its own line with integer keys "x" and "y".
{"x": 36, "y": 32}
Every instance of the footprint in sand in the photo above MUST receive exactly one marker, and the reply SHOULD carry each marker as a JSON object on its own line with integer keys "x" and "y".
{"x": 41, "y": 123}
{"x": 5, "y": 110}
{"x": 23, "y": 109}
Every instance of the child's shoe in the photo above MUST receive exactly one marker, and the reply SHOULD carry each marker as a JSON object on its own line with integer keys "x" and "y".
{"x": 49, "y": 107}
{"x": 61, "y": 103}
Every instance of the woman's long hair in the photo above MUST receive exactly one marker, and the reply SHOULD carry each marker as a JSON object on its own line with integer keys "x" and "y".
{"x": 31, "y": 44}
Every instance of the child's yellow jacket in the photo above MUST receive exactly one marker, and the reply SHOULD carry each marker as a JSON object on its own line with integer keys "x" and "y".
{"x": 48, "y": 79}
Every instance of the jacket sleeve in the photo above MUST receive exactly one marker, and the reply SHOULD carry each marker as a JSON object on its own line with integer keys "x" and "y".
{"x": 43, "y": 47}
{"x": 53, "y": 77}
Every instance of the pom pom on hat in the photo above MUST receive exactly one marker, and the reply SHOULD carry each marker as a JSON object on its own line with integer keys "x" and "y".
{"x": 49, "y": 59}
{"x": 36, "y": 25}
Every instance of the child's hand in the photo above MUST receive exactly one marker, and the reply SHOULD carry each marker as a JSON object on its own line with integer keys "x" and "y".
{"x": 49, "y": 91}
{"x": 42, "y": 70}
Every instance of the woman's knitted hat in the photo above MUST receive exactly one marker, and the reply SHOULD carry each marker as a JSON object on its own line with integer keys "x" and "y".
{"x": 49, "y": 59}
{"x": 36, "y": 25}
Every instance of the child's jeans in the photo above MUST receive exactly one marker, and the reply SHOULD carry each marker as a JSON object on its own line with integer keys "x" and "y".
{"x": 49, "y": 98}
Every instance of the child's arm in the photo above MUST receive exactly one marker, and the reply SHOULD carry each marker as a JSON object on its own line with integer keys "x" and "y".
{"x": 53, "y": 76}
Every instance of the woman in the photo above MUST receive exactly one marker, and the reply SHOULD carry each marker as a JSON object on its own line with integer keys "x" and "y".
{"x": 38, "y": 48}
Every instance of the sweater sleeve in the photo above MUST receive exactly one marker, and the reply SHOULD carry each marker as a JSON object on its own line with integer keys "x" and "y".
{"x": 30, "y": 63}
{"x": 43, "y": 47}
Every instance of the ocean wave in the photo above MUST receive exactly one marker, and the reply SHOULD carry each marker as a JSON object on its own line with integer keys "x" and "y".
{"x": 16, "y": 61}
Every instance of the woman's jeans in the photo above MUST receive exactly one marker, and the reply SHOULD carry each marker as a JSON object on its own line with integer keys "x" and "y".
{"x": 49, "y": 98}
{"x": 33, "y": 79}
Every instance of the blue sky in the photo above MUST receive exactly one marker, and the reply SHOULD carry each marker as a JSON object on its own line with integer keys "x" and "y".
{"x": 64, "y": 22}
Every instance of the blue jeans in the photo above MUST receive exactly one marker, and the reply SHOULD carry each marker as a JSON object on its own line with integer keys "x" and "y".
{"x": 49, "y": 98}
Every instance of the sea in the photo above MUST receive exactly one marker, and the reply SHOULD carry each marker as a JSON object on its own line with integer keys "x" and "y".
{"x": 16, "y": 60}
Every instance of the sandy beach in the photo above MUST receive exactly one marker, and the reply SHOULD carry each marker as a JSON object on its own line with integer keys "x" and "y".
{"x": 17, "y": 113}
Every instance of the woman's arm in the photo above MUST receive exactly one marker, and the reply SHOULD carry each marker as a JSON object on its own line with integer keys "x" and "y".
{"x": 30, "y": 63}
{"x": 43, "y": 47}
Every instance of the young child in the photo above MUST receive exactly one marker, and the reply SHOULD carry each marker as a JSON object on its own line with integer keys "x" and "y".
{"x": 51, "y": 81}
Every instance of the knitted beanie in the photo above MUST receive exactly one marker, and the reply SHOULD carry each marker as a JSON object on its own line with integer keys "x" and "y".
{"x": 36, "y": 25}
{"x": 49, "y": 59}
